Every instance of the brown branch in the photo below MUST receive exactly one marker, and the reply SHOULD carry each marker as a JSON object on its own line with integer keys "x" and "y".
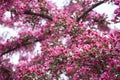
{"x": 88, "y": 10}
{"x": 43, "y": 15}
{"x": 10, "y": 47}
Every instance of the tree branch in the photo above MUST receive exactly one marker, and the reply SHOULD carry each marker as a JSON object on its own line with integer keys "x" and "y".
{"x": 43, "y": 15}
{"x": 88, "y": 10}
{"x": 17, "y": 46}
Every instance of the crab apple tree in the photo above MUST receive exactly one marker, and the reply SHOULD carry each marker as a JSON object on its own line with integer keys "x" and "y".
{"x": 75, "y": 42}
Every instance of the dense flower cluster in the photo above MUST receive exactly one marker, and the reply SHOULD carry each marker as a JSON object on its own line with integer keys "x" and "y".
{"x": 70, "y": 44}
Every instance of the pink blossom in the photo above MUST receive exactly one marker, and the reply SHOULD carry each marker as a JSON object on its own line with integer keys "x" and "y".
{"x": 75, "y": 41}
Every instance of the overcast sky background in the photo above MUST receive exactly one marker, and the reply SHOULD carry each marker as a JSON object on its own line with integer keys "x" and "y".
{"x": 104, "y": 8}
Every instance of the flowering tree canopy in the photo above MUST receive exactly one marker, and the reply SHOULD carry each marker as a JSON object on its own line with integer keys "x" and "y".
{"x": 76, "y": 42}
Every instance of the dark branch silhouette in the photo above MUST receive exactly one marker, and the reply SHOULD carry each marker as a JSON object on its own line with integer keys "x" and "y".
{"x": 88, "y": 10}
{"x": 18, "y": 45}
{"x": 43, "y": 15}
{"x": 83, "y": 15}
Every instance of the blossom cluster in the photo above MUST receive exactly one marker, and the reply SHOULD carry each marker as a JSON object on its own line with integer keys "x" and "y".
{"x": 68, "y": 47}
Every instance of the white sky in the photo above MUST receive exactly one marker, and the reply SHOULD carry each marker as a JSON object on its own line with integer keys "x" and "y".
{"x": 109, "y": 10}
{"x": 60, "y": 3}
